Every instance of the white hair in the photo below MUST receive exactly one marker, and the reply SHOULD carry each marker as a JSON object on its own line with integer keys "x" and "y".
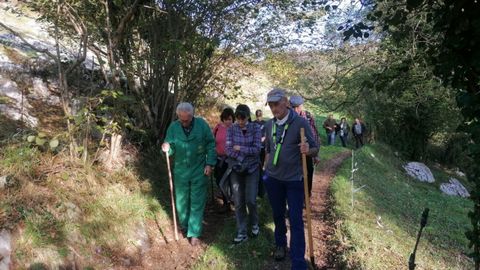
{"x": 185, "y": 107}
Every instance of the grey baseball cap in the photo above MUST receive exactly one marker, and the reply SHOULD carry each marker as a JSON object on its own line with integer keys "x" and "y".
{"x": 296, "y": 101}
{"x": 275, "y": 95}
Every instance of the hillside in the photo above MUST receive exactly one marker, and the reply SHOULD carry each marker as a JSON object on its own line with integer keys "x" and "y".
{"x": 380, "y": 230}
{"x": 63, "y": 206}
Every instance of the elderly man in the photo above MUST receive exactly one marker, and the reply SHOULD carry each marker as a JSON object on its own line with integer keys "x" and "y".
{"x": 284, "y": 178}
{"x": 190, "y": 140}
{"x": 297, "y": 105}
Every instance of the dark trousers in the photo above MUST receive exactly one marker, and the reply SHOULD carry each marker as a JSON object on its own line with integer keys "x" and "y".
{"x": 261, "y": 187}
{"x": 344, "y": 140}
{"x": 358, "y": 141}
{"x": 245, "y": 192}
{"x": 220, "y": 169}
{"x": 310, "y": 175}
{"x": 292, "y": 193}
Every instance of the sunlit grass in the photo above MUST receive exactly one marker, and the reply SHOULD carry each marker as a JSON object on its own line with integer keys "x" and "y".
{"x": 381, "y": 228}
{"x": 252, "y": 254}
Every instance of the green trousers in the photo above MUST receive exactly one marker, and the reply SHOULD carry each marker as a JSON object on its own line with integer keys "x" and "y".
{"x": 190, "y": 199}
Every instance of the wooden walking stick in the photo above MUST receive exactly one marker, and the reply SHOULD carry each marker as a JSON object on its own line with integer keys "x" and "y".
{"x": 172, "y": 198}
{"x": 307, "y": 201}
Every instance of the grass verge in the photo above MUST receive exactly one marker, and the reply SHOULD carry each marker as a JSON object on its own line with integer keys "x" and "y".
{"x": 252, "y": 254}
{"x": 380, "y": 230}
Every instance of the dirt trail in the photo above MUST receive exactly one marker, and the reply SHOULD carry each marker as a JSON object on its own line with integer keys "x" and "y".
{"x": 323, "y": 223}
{"x": 167, "y": 254}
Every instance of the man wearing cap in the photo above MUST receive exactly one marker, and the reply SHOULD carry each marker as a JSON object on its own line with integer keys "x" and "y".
{"x": 283, "y": 177}
{"x": 297, "y": 105}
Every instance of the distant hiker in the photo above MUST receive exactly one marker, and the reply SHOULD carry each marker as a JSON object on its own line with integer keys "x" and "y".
{"x": 284, "y": 176}
{"x": 330, "y": 125}
{"x": 261, "y": 123}
{"x": 227, "y": 118}
{"x": 297, "y": 105}
{"x": 190, "y": 141}
{"x": 244, "y": 141}
{"x": 358, "y": 130}
{"x": 344, "y": 129}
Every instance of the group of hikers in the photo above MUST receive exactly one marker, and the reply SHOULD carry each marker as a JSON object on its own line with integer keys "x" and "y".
{"x": 332, "y": 128}
{"x": 246, "y": 157}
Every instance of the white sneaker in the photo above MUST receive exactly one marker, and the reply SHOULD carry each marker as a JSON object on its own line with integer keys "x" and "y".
{"x": 240, "y": 238}
{"x": 255, "y": 231}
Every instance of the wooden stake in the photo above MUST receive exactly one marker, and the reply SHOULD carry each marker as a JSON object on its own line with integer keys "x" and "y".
{"x": 307, "y": 201}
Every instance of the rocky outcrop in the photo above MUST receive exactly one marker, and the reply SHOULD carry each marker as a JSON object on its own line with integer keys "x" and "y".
{"x": 454, "y": 188}
{"x": 5, "y": 250}
{"x": 17, "y": 108}
{"x": 419, "y": 171}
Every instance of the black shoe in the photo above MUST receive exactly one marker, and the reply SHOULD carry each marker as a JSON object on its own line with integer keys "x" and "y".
{"x": 280, "y": 253}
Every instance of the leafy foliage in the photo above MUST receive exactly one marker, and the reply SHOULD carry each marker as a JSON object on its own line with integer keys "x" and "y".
{"x": 448, "y": 35}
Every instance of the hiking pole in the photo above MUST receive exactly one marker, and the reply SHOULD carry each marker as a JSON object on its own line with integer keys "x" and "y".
{"x": 171, "y": 196}
{"x": 307, "y": 201}
{"x": 211, "y": 184}
{"x": 423, "y": 223}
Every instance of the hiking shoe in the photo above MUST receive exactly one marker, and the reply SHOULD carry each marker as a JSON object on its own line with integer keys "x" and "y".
{"x": 255, "y": 231}
{"x": 280, "y": 253}
{"x": 240, "y": 238}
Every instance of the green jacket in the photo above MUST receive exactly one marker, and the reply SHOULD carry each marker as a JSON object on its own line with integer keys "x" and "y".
{"x": 192, "y": 153}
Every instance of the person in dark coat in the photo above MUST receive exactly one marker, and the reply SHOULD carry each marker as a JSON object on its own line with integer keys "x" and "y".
{"x": 358, "y": 130}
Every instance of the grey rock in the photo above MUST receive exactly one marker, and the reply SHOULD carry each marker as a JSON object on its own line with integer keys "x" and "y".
{"x": 5, "y": 249}
{"x": 459, "y": 173}
{"x": 419, "y": 171}
{"x": 454, "y": 188}
{"x": 3, "y": 181}
{"x": 18, "y": 108}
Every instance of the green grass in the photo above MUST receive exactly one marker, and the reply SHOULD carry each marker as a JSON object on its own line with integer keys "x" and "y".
{"x": 396, "y": 202}
{"x": 19, "y": 159}
{"x": 252, "y": 254}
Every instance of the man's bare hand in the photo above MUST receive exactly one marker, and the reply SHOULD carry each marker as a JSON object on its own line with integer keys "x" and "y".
{"x": 304, "y": 148}
{"x": 208, "y": 170}
{"x": 165, "y": 147}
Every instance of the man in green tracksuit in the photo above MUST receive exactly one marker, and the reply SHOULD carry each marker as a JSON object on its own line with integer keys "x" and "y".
{"x": 190, "y": 140}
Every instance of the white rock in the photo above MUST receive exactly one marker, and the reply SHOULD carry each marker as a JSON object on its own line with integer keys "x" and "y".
{"x": 5, "y": 249}
{"x": 3, "y": 181}
{"x": 460, "y": 173}
{"x": 454, "y": 188}
{"x": 18, "y": 107}
{"x": 419, "y": 171}
{"x": 41, "y": 91}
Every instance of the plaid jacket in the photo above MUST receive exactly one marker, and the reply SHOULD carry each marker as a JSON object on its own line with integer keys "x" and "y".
{"x": 250, "y": 145}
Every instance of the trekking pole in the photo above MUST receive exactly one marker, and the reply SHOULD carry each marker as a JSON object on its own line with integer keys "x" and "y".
{"x": 171, "y": 196}
{"x": 307, "y": 201}
{"x": 423, "y": 223}
{"x": 211, "y": 184}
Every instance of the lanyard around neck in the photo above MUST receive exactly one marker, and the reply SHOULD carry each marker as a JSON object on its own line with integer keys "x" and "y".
{"x": 278, "y": 144}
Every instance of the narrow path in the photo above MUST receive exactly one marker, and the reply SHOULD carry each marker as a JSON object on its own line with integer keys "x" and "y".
{"x": 165, "y": 253}
{"x": 323, "y": 223}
